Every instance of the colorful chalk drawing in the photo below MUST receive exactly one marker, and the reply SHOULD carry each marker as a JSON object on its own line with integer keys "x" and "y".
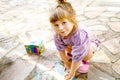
{"x": 59, "y": 68}
{"x": 38, "y": 73}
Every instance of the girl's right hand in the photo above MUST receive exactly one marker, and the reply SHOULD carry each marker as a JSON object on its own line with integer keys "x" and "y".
{"x": 69, "y": 76}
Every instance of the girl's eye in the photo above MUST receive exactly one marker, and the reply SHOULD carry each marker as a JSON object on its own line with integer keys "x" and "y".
{"x": 56, "y": 25}
{"x": 63, "y": 23}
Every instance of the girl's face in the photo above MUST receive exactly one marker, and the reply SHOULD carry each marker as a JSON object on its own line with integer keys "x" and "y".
{"x": 63, "y": 27}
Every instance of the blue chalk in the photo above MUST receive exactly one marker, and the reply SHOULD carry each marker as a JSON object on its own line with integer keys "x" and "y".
{"x": 38, "y": 75}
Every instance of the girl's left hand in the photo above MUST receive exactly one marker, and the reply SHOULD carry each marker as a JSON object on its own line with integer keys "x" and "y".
{"x": 69, "y": 76}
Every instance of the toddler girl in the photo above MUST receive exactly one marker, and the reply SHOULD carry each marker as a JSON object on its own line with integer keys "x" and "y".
{"x": 73, "y": 41}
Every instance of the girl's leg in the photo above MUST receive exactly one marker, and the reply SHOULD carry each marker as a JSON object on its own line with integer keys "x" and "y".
{"x": 66, "y": 61}
{"x": 89, "y": 55}
{"x": 68, "y": 56}
{"x": 84, "y": 66}
{"x": 85, "y": 63}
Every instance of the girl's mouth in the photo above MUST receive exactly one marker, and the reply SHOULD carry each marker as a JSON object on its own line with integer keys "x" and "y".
{"x": 62, "y": 32}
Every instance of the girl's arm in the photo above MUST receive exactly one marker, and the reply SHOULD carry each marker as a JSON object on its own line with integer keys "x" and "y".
{"x": 74, "y": 67}
{"x": 65, "y": 59}
{"x": 71, "y": 74}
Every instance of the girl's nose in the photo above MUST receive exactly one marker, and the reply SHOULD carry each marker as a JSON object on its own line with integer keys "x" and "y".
{"x": 61, "y": 27}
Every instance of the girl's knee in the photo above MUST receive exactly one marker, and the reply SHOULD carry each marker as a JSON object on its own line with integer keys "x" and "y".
{"x": 89, "y": 55}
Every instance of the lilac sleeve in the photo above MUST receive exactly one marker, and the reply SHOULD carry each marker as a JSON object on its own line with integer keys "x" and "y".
{"x": 59, "y": 43}
{"x": 95, "y": 40}
{"x": 81, "y": 46}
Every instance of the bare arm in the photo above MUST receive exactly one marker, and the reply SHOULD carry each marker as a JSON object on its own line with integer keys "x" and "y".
{"x": 65, "y": 59}
{"x": 71, "y": 74}
{"x": 74, "y": 67}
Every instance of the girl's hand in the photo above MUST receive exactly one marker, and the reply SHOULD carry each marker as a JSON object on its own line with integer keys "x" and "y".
{"x": 69, "y": 76}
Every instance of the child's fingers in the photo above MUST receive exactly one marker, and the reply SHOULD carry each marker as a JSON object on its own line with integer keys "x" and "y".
{"x": 68, "y": 77}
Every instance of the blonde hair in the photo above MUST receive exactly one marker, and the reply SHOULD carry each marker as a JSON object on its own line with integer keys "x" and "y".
{"x": 63, "y": 10}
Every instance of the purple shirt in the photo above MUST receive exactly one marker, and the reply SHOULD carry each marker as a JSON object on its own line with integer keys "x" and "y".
{"x": 80, "y": 42}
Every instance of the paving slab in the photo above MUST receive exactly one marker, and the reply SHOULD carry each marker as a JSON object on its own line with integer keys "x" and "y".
{"x": 18, "y": 71}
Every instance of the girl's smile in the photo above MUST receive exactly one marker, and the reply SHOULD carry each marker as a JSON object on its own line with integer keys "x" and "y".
{"x": 63, "y": 27}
